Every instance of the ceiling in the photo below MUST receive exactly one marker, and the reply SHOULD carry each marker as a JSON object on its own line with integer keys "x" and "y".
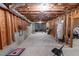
{"x": 44, "y": 12}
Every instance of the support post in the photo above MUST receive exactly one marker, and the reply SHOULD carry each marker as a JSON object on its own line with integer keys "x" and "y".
{"x": 71, "y": 32}
{"x": 66, "y": 30}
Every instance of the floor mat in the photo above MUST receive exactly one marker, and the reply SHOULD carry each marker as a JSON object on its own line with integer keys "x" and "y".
{"x": 16, "y": 52}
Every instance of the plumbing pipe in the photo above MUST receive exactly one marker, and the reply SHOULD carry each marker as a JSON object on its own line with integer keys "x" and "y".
{"x": 13, "y": 10}
{"x": 3, "y": 6}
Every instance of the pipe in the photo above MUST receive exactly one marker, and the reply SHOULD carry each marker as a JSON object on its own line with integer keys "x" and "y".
{"x": 3, "y": 6}
{"x": 18, "y": 14}
{"x": 13, "y": 10}
{"x": 17, "y": 5}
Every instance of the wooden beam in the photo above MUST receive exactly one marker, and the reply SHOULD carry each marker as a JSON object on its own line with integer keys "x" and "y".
{"x": 71, "y": 32}
{"x": 12, "y": 26}
{"x": 37, "y": 9}
{"x": 76, "y": 15}
{"x": 67, "y": 29}
{"x": 43, "y": 12}
{"x": 8, "y": 27}
{"x": 55, "y": 12}
{"x": 63, "y": 18}
{"x": 40, "y": 11}
{"x": 3, "y": 38}
{"x": 1, "y": 47}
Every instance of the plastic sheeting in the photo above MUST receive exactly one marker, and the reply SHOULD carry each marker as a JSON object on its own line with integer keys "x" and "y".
{"x": 60, "y": 25}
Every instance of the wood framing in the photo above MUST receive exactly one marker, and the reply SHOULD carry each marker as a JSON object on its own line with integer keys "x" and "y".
{"x": 67, "y": 29}
{"x": 12, "y": 26}
{"x": 3, "y": 38}
{"x": 8, "y": 28}
{"x": 71, "y": 32}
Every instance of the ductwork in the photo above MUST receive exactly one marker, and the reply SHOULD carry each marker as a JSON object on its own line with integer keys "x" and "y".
{"x": 14, "y": 11}
{"x": 3, "y": 6}
{"x": 18, "y": 14}
{"x": 17, "y": 5}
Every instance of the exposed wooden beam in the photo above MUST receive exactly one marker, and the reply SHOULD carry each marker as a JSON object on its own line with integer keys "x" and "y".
{"x": 67, "y": 29}
{"x": 35, "y": 9}
{"x": 36, "y": 12}
{"x": 71, "y": 32}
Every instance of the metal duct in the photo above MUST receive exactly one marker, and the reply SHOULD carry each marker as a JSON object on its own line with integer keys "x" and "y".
{"x": 17, "y": 5}
{"x": 18, "y": 14}
{"x": 3, "y": 6}
{"x": 14, "y": 11}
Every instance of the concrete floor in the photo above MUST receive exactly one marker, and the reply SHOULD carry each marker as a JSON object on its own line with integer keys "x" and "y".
{"x": 75, "y": 42}
{"x": 41, "y": 44}
{"x": 38, "y": 44}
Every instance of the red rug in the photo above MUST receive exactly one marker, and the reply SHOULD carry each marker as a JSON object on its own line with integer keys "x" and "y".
{"x": 16, "y": 52}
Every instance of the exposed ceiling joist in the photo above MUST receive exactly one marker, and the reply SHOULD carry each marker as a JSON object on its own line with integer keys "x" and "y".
{"x": 33, "y": 12}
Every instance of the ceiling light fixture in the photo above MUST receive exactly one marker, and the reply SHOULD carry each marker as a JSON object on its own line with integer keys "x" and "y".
{"x": 44, "y": 7}
{"x": 40, "y": 22}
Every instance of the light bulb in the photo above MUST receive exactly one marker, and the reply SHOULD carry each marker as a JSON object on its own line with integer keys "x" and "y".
{"x": 43, "y": 7}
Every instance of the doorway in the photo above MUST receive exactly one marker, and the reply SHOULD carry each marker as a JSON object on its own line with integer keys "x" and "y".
{"x": 40, "y": 27}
